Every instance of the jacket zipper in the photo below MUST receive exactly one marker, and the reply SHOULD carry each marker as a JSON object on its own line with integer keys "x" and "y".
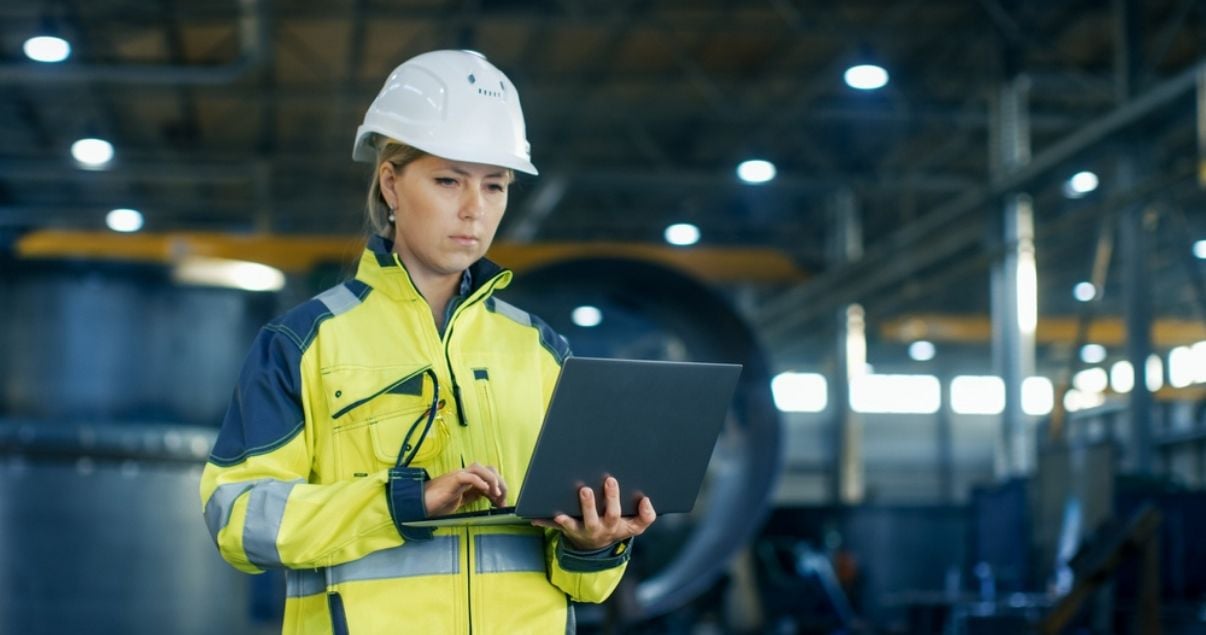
{"x": 456, "y": 386}
{"x": 456, "y": 394}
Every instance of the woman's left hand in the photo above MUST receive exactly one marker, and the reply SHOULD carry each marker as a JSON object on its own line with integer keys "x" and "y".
{"x": 595, "y": 531}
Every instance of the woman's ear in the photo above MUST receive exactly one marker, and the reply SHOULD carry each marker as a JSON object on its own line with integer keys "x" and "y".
{"x": 386, "y": 180}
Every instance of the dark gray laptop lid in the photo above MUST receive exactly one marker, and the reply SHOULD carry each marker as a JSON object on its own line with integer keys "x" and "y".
{"x": 651, "y": 424}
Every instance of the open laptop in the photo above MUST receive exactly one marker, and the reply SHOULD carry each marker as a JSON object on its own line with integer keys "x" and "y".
{"x": 650, "y": 424}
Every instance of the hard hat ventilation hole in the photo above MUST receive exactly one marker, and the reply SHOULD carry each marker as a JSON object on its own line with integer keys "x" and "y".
{"x": 472, "y": 79}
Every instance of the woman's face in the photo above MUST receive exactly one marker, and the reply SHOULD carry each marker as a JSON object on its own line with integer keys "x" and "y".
{"x": 445, "y": 212}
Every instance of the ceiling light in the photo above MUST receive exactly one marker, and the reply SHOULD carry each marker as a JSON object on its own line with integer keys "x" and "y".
{"x": 1084, "y": 291}
{"x": 866, "y": 77}
{"x": 921, "y": 351}
{"x": 800, "y": 392}
{"x": 756, "y": 171}
{"x": 1091, "y": 380}
{"x": 92, "y": 153}
{"x": 1122, "y": 377}
{"x": 1038, "y": 396}
{"x": 682, "y": 234}
{"x": 1092, "y": 353}
{"x": 977, "y": 395}
{"x": 47, "y": 48}
{"x": 896, "y": 394}
{"x": 234, "y": 274}
{"x": 124, "y": 220}
{"x": 587, "y": 316}
{"x": 1155, "y": 372}
{"x": 1080, "y": 184}
{"x": 1199, "y": 249}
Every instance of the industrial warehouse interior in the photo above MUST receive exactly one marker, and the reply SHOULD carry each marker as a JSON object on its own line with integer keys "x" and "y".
{"x": 958, "y": 247}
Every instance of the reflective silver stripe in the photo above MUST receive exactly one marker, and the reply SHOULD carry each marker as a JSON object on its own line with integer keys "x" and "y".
{"x": 265, "y": 510}
{"x": 339, "y": 299}
{"x": 513, "y": 312}
{"x": 303, "y": 582}
{"x": 221, "y": 502}
{"x": 438, "y": 556}
{"x": 509, "y": 553}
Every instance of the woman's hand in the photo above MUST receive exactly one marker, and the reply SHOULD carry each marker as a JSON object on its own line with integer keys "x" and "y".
{"x": 596, "y": 532}
{"x": 449, "y": 492}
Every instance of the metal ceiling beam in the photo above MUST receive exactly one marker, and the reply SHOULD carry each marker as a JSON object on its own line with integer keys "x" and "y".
{"x": 895, "y": 258}
{"x": 209, "y": 169}
{"x": 301, "y": 253}
{"x": 254, "y": 50}
{"x": 977, "y": 329}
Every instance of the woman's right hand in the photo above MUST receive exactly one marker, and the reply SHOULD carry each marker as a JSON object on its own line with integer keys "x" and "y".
{"x": 449, "y": 492}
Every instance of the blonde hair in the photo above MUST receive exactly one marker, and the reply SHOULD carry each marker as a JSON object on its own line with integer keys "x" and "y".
{"x": 399, "y": 155}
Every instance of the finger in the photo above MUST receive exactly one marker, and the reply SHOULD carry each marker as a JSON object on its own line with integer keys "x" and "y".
{"x": 567, "y": 524}
{"x": 502, "y": 487}
{"x": 468, "y": 480}
{"x": 611, "y": 492}
{"x": 645, "y": 514}
{"x": 590, "y": 513}
{"x": 489, "y": 476}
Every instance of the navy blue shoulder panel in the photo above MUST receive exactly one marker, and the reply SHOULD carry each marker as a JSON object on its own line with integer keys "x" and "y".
{"x": 265, "y": 412}
{"x": 551, "y": 340}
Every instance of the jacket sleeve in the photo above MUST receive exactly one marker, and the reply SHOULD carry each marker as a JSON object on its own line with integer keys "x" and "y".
{"x": 257, "y": 502}
{"x": 583, "y": 576}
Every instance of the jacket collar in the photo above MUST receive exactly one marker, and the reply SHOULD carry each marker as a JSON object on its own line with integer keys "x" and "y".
{"x": 382, "y": 270}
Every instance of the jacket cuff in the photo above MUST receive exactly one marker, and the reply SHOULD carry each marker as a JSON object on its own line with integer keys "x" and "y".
{"x": 576, "y": 561}
{"x": 404, "y": 491}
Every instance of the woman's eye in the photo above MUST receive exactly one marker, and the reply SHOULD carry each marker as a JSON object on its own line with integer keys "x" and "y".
{"x": 497, "y": 187}
{"x": 445, "y": 180}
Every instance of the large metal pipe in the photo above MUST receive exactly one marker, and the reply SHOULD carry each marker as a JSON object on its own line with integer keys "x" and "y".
{"x": 649, "y": 311}
{"x": 254, "y": 51}
{"x": 91, "y": 341}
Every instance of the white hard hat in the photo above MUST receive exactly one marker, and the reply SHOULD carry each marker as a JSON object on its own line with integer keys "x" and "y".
{"x": 453, "y": 104}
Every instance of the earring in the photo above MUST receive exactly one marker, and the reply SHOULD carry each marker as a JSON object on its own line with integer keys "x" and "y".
{"x": 391, "y": 216}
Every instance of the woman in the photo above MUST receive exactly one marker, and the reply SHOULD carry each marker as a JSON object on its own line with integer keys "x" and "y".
{"x": 412, "y": 391}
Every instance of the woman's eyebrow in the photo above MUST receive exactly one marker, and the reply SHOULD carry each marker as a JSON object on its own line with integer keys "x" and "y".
{"x": 464, "y": 172}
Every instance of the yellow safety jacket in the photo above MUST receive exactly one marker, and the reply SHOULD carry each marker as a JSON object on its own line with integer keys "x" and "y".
{"x": 305, "y": 471}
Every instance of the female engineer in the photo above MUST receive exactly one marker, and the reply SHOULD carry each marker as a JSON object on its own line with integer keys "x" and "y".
{"x": 412, "y": 391}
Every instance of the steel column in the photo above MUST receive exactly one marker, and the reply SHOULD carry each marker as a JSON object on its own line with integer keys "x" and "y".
{"x": 847, "y": 482}
{"x": 1014, "y": 286}
{"x": 1136, "y": 281}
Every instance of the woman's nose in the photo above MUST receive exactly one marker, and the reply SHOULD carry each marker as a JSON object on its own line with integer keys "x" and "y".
{"x": 473, "y": 203}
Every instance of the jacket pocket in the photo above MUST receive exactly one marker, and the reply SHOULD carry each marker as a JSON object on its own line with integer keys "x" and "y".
{"x": 485, "y": 396}
{"x": 372, "y": 409}
{"x": 396, "y": 436}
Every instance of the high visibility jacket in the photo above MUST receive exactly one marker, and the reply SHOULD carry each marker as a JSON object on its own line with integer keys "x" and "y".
{"x": 303, "y": 473}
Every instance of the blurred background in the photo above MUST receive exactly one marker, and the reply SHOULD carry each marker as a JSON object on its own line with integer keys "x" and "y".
{"x": 959, "y": 246}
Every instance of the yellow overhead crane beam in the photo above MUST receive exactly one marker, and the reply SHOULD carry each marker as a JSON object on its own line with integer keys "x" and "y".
{"x": 301, "y": 253}
{"x": 1107, "y": 331}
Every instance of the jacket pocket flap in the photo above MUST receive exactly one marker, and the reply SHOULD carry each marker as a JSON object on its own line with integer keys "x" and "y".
{"x": 358, "y": 393}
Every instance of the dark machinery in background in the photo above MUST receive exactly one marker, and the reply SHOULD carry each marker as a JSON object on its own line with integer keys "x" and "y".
{"x": 653, "y": 312}
{"x": 113, "y": 379}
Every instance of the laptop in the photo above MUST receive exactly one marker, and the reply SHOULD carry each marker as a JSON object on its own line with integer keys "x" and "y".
{"x": 650, "y": 424}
